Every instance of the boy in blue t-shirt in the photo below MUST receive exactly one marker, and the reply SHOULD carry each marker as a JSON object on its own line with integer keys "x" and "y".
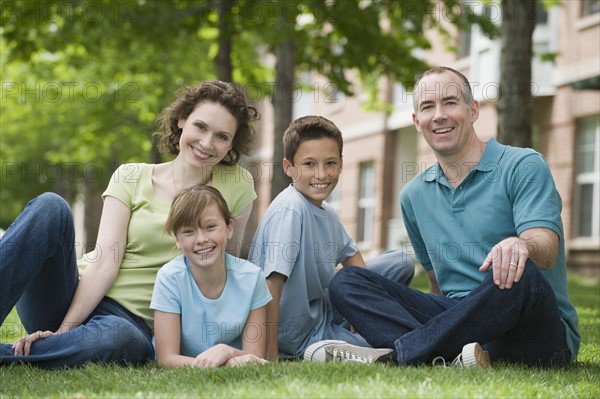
{"x": 301, "y": 240}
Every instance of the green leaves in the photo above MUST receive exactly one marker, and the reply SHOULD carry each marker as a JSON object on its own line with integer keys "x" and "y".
{"x": 82, "y": 82}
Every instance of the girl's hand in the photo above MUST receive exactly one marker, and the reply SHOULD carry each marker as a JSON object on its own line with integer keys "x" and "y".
{"x": 22, "y": 347}
{"x": 216, "y": 356}
{"x": 247, "y": 358}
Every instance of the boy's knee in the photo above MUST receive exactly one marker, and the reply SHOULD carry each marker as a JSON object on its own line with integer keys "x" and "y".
{"x": 405, "y": 269}
{"x": 395, "y": 265}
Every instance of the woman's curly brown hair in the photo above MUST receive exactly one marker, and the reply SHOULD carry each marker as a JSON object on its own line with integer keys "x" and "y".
{"x": 226, "y": 94}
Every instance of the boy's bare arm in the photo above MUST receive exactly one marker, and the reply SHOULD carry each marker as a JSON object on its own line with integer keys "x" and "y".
{"x": 433, "y": 284}
{"x": 275, "y": 283}
{"x": 354, "y": 260}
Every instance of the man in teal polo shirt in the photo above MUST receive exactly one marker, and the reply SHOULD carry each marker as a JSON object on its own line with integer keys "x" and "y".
{"x": 485, "y": 224}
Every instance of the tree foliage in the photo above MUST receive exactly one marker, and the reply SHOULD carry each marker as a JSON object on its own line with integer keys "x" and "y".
{"x": 82, "y": 81}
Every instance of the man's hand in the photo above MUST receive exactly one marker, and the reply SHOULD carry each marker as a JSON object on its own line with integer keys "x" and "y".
{"x": 22, "y": 347}
{"x": 507, "y": 259}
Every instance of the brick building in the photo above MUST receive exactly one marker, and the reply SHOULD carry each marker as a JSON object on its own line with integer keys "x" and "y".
{"x": 384, "y": 151}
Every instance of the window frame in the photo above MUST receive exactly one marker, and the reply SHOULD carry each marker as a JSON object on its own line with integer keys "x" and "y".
{"x": 366, "y": 203}
{"x": 582, "y": 178}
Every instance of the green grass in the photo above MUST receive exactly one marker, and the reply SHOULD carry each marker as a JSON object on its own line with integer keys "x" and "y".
{"x": 300, "y": 379}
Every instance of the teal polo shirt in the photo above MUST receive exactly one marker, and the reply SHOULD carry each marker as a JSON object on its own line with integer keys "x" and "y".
{"x": 452, "y": 229}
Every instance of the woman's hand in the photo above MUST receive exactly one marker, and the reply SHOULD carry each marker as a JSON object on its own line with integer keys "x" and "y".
{"x": 22, "y": 347}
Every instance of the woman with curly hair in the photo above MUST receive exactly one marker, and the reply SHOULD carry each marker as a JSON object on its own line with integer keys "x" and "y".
{"x": 97, "y": 309}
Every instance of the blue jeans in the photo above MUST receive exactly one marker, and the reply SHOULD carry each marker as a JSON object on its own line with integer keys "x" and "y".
{"x": 521, "y": 324}
{"x": 394, "y": 265}
{"x": 38, "y": 274}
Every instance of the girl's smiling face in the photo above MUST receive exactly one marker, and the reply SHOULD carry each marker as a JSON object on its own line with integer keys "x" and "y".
{"x": 204, "y": 245}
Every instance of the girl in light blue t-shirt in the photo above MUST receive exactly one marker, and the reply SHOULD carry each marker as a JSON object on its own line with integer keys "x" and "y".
{"x": 209, "y": 306}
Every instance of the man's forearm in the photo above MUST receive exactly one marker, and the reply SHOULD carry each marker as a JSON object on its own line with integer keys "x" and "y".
{"x": 542, "y": 245}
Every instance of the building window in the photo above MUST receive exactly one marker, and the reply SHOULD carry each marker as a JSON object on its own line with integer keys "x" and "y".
{"x": 464, "y": 43}
{"x": 587, "y": 181}
{"x": 366, "y": 203}
{"x": 589, "y": 7}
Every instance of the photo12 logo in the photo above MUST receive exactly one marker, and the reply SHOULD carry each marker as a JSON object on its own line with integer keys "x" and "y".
{"x": 39, "y": 172}
{"x": 53, "y": 92}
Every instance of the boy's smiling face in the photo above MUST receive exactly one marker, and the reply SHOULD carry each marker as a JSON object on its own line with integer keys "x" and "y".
{"x": 315, "y": 168}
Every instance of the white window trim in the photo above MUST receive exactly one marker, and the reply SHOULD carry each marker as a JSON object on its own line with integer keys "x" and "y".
{"x": 365, "y": 204}
{"x": 593, "y": 179}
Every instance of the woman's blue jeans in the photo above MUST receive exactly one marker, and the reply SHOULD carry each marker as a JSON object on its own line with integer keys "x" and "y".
{"x": 38, "y": 274}
{"x": 521, "y": 324}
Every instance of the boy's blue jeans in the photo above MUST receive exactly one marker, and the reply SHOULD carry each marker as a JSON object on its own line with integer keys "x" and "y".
{"x": 520, "y": 324}
{"x": 38, "y": 273}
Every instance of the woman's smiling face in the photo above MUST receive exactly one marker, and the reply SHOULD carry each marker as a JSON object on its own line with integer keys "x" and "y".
{"x": 207, "y": 134}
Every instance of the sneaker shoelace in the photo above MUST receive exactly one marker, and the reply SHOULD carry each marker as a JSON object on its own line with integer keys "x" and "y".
{"x": 440, "y": 361}
{"x": 348, "y": 356}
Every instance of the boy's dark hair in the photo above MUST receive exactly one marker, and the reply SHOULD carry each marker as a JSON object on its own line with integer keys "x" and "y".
{"x": 311, "y": 127}
{"x": 188, "y": 205}
{"x": 223, "y": 93}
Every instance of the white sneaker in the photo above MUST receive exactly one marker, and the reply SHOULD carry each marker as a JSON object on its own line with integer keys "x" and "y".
{"x": 472, "y": 355}
{"x": 341, "y": 351}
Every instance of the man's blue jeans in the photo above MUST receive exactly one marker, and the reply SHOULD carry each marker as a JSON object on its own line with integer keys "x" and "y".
{"x": 520, "y": 324}
{"x": 38, "y": 273}
{"x": 395, "y": 265}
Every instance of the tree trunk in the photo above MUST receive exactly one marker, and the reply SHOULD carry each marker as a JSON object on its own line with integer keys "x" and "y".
{"x": 283, "y": 104}
{"x": 515, "y": 102}
{"x": 223, "y": 58}
{"x": 389, "y": 154}
{"x": 92, "y": 212}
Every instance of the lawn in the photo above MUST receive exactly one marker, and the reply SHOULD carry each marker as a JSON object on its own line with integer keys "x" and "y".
{"x": 300, "y": 379}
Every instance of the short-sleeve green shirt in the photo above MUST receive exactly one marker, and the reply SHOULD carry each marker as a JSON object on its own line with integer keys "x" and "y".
{"x": 148, "y": 246}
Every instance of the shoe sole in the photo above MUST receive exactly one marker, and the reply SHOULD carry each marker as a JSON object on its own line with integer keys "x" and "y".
{"x": 378, "y": 355}
{"x": 473, "y": 355}
{"x": 310, "y": 351}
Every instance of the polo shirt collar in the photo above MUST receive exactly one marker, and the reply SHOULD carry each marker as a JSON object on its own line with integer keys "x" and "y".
{"x": 489, "y": 161}
{"x": 491, "y": 156}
